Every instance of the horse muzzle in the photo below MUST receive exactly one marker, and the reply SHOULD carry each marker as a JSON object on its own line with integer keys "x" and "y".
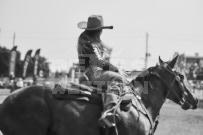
{"x": 187, "y": 105}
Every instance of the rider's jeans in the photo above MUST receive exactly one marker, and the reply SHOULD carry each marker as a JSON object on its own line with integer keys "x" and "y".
{"x": 111, "y": 82}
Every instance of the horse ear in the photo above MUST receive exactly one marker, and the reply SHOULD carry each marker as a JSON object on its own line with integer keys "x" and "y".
{"x": 173, "y": 62}
{"x": 161, "y": 61}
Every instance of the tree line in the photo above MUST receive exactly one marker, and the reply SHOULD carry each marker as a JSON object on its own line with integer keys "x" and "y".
{"x": 5, "y": 55}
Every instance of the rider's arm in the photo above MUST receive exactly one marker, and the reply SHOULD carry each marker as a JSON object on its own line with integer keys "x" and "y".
{"x": 97, "y": 60}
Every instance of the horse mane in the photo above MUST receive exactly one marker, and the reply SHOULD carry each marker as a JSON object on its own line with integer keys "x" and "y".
{"x": 141, "y": 78}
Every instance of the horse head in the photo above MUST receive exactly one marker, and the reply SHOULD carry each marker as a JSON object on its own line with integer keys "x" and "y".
{"x": 179, "y": 89}
{"x": 161, "y": 82}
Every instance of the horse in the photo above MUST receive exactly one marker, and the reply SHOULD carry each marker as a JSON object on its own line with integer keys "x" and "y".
{"x": 35, "y": 110}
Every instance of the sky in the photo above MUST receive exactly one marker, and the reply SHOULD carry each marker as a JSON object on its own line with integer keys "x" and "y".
{"x": 172, "y": 26}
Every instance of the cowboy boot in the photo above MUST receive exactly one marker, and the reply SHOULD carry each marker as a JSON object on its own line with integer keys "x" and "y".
{"x": 108, "y": 116}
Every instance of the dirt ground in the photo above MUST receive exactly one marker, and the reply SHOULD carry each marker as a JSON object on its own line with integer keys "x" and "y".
{"x": 175, "y": 121}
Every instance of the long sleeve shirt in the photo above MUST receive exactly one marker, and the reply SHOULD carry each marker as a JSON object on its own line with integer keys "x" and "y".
{"x": 94, "y": 54}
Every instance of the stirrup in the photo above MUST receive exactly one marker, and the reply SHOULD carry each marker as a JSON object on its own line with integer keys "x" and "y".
{"x": 108, "y": 119}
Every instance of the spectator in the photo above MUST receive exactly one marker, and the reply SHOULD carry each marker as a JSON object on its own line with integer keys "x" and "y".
{"x": 1, "y": 84}
{"x": 20, "y": 83}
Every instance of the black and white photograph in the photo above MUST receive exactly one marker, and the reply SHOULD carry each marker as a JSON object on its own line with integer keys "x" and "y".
{"x": 101, "y": 67}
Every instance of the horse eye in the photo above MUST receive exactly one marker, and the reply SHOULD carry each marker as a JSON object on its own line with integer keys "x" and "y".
{"x": 177, "y": 78}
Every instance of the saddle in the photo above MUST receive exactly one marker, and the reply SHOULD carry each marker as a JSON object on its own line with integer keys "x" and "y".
{"x": 74, "y": 91}
{"x": 81, "y": 92}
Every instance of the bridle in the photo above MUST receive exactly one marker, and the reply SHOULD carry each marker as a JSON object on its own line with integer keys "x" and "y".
{"x": 176, "y": 77}
{"x": 152, "y": 71}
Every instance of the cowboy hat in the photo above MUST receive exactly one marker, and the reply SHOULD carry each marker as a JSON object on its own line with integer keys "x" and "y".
{"x": 95, "y": 22}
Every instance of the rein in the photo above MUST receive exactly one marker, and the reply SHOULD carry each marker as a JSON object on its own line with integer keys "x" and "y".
{"x": 154, "y": 123}
{"x": 181, "y": 100}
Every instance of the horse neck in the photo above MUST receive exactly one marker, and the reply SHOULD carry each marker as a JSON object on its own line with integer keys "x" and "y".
{"x": 154, "y": 97}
